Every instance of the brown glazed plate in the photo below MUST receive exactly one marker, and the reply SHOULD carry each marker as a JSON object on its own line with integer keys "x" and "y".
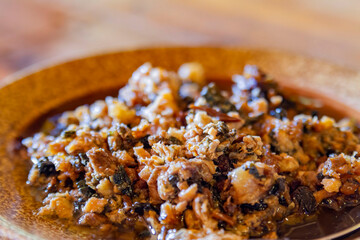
{"x": 31, "y": 94}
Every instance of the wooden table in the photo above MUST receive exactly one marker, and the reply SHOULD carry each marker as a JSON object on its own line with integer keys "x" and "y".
{"x": 33, "y": 31}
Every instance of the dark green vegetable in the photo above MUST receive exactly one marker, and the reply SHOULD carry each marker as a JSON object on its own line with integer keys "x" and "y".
{"x": 248, "y": 208}
{"x": 274, "y": 144}
{"x": 79, "y": 161}
{"x": 305, "y": 199}
{"x": 68, "y": 134}
{"x": 222, "y": 130}
{"x": 85, "y": 189}
{"x": 175, "y": 141}
{"x": 214, "y": 98}
{"x": 122, "y": 181}
{"x": 46, "y": 167}
{"x": 78, "y": 205}
{"x": 140, "y": 208}
{"x": 253, "y": 171}
{"x": 279, "y": 189}
{"x": 83, "y": 158}
{"x": 174, "y": 179}
{"x": 145, "y": 141}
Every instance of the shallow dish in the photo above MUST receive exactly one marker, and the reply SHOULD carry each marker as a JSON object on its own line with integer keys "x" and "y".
{"x": 31, "y": 94}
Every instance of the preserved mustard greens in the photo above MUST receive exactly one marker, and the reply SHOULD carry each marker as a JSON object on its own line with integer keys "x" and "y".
{"x": 176, "y": 157}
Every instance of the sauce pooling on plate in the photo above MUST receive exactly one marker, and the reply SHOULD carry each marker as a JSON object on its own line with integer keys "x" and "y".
{"x": 174, "y": 156}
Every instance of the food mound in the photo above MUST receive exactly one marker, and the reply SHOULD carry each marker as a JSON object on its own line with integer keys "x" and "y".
{"x": 176, "y": 157}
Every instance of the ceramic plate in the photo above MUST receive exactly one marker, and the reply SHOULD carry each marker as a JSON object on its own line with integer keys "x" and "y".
{"x": 38, "y": 91}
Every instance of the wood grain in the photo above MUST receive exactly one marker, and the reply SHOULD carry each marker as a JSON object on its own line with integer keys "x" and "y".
{"x": 34, "y": 31}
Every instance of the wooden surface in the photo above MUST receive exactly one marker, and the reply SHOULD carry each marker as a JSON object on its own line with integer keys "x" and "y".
{"x": 33, "y": 31}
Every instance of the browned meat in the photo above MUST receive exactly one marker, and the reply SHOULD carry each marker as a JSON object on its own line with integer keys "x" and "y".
{"x": 102, "y": 162}
{"x": 176, "y": 157}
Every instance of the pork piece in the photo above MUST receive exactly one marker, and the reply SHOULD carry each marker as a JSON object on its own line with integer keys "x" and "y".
{"x": 84, "y": 141}
{"x": 341, "y": 172}
{"x": 191, "y": 171}
{"x": 203, "y": 211}
{"x": 59, "y": 204}
{"x": 119, "y": 112}
{"x": 169, "y": 215}
{"x": 341, "y": 165}
{"x": 285, "y": 136}
{"x": 94, "y": 205}
{"x": 251, "y": 182}
{"x": 102, "y": 162}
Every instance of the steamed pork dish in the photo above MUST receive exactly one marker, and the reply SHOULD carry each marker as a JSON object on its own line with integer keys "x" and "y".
{"x": 176, "y": 157}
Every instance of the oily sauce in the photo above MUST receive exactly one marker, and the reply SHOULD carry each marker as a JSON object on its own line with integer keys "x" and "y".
{"x": 322, "y": 224}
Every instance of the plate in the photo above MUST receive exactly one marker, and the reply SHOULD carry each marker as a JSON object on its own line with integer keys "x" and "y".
{"x": 35, "y": 92}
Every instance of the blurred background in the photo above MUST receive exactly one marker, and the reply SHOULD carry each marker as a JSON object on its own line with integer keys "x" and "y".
{"x": 33, "y": 31}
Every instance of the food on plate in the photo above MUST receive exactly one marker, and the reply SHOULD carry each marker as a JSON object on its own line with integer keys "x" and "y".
{"x": 177, "y": 157}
